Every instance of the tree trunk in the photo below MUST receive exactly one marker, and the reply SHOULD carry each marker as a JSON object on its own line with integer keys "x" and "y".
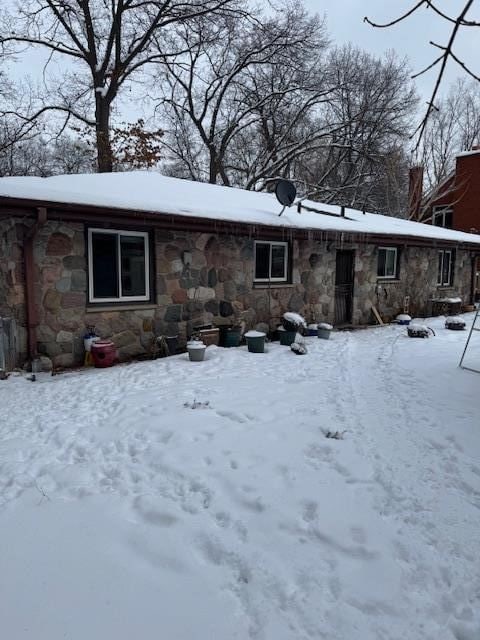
{"x": 102, "y": 132}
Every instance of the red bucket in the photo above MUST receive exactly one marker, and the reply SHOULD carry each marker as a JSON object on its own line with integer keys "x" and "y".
{"x": 104, "y": 353}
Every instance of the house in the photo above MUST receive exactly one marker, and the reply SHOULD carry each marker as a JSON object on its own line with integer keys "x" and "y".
{"x": 455, "y": 202}
{"x": 139, "y": 254}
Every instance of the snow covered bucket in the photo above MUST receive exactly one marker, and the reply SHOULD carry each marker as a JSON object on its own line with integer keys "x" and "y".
{"x": 404, "y": 319}
{"x": 324, "y": 330}
{"x": 419, "y": 331}
{"x": 196, "y": 350}
{"x": 455, "y": 324}
{"x": 312, "y": 330}
{"x": 256, "y": 341}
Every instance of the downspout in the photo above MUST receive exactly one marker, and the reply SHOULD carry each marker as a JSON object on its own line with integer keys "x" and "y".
{"x": 29, "y": 262}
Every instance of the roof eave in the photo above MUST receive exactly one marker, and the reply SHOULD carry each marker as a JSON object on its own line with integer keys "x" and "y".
{"x": 72, "y": 212}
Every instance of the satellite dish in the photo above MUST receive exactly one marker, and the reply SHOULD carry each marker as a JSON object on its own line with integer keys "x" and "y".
{"x": 285, "y": 192}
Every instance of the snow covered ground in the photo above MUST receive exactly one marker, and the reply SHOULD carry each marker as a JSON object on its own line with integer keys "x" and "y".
{"x": 203, "y": 501}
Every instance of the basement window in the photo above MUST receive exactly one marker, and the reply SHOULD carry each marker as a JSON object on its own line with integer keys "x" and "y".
{"x": 118, "y": 266}
{"x": 446, "y": 260}
{"x": 387, "y": 264}
{"x": 271, "y": 261}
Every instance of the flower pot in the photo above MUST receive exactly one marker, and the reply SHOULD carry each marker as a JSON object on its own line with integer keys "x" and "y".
{"x": 324, "y": 333}
{"x": 196, "y": 350}
{"x": 287, "y": 337}
{"x": 172, "y": 344}
{"x": 312, "y": 330}
{"x": 255, "y": 341}
{"x": 324, "y": 330}
{"x": 104, "y": 353}
{"x": 230, "y": 336}
{"x": 455, "y": 324}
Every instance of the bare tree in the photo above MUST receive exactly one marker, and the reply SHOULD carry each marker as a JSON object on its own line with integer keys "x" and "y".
{"x": 447, "y": 50}
{"x": 364, "y": 165}
{"x": 13, "y": 128}
{"x": 108, "y": 44}
{"x": 454, "y": 126}
{"x": 225, "y": 100}
{"x": 41, "y": 156}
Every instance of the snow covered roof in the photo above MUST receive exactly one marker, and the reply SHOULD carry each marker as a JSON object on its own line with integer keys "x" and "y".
{"x": 151, "y": 192}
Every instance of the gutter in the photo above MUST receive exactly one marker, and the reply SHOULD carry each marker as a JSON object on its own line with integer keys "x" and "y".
{"x": 174, "y": 222}
{"x": 29, "y": 263}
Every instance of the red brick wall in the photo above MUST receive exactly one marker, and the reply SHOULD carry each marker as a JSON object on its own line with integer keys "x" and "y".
{"x": 466, "y": 214}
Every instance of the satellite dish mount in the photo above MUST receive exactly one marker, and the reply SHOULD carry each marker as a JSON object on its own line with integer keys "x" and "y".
{"x": 285, "y": 192}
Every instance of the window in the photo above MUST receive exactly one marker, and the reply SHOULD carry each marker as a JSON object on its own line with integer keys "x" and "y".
{"x": 443, "y": 217}
{"x": 445, "y": 268}
{"x": 118, "y": 266}
{"x": 387, "y": 265}
{"x": 271, "y": 261}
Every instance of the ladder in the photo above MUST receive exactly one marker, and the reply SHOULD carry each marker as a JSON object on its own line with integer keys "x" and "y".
{"x": 475, "y": 327}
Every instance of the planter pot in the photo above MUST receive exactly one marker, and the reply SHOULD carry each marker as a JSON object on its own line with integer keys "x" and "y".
{"x": 324, "y": 330}
{"x": 230, "y": 336}
{"x": 256, "y": 341}
{"x": 287, "y": 337}
{"x": 312, "y": 330}
{"x": 196, "y": 351}
{"x": 172, "y": 344}
{"x": 455, "y": 324}
{"x": 324, "y": 334}
{"x": 104, "y": 353}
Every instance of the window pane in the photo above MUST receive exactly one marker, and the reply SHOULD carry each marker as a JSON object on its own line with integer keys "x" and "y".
{"x": 447, "y": 259}
{"x": 440, "y": 267}
{"x": 438, "y": 219}
{"x": 448, "y": 219}
{"x": 133, "y": 265}
{"x": 381, "y": 263}
{"x": 262, "y": 261}
{"x": 278, "y": 261}
{"x": 390, "y": 262}
{"x": 104, "y": 265}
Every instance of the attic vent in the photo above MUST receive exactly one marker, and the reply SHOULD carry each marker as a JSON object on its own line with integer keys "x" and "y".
{"x": 8, "y": 344}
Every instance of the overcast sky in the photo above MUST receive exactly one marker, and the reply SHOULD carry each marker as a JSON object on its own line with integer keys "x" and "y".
{"x": 409, "y": 38}
{"x": 345, "y": 24}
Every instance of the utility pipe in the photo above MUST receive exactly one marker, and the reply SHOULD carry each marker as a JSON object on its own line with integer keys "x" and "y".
{"x": 29, "y": 262}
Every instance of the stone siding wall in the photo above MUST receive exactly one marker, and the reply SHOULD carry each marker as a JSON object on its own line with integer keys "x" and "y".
{"x": 199, "y": 279}
{"x": 417, "y": 279}
{"x": 12, "y": 288}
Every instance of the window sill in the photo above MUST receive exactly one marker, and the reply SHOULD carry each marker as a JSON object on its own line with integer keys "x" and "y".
{"x": 388, "y": 280}
{"x": 119, "y": 306}
{"x": 273, "y": 285}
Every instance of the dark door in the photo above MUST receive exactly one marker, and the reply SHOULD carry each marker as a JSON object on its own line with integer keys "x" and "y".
{"x": 344, "y": 287}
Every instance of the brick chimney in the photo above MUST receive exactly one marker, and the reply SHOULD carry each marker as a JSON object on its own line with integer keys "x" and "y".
{"x": 467, "y": 191}
{"x": 415, "y": 190}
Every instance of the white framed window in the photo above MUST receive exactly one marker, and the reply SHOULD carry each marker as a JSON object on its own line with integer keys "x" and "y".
{"x": 118, "y": 266}
{"x": 445, "y": 268}
{"x": 442, "y": 216}
{"x": 387, "y": 262}
{"x": 271, "y": 261}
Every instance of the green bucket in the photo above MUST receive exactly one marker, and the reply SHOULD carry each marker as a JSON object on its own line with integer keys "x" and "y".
{"x": 255, "y": 341}
{"x": 230, "y": 336}
{"x": 287, "y": 337}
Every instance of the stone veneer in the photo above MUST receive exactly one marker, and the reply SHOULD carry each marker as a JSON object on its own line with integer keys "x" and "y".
{"x": 217, "y": 286}
{"x": 417, "y": 279}
{"x": 12, "y": 279}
